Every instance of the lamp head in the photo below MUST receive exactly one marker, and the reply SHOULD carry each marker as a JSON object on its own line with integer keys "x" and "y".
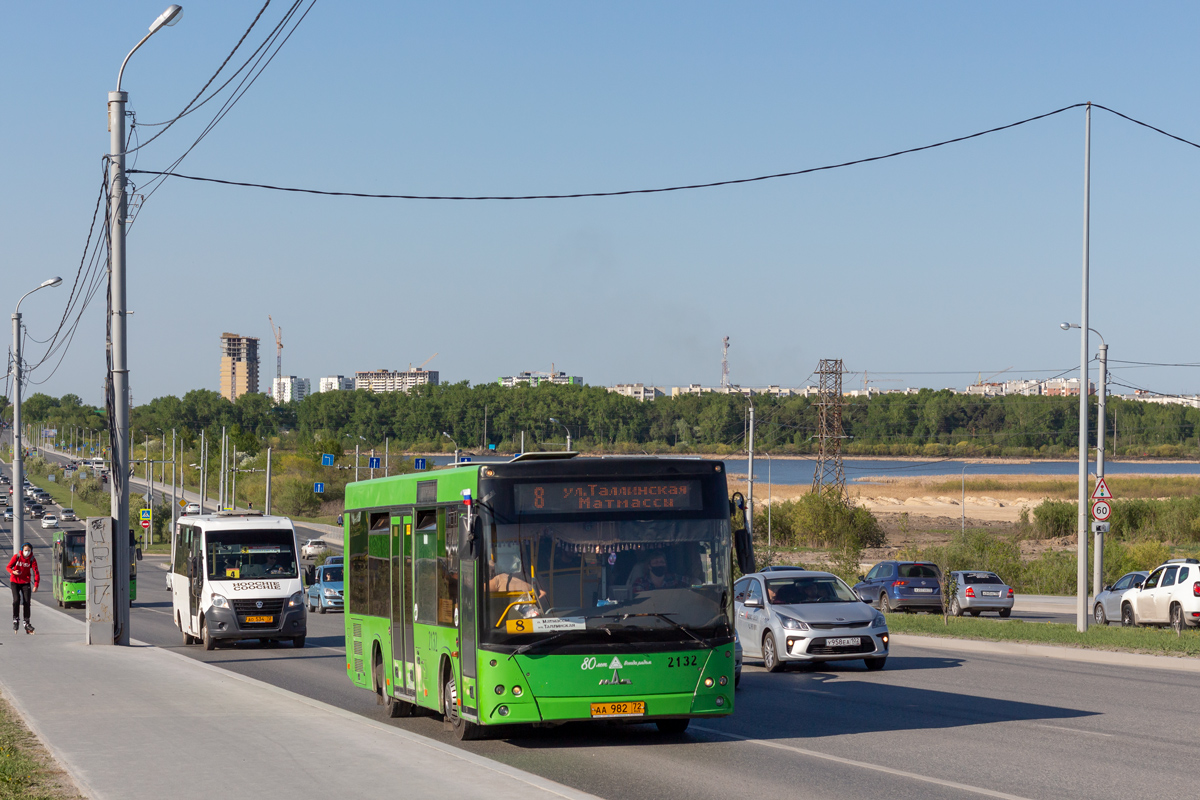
{"x": 173, "y": 14}
{"x": 447, "y": 435}
{"x": 50, "y": 282}
{"x": 552, "y": 419}
{"x": 1066, "y": 326}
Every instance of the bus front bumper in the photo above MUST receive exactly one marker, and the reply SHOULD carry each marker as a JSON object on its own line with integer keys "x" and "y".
{"x": 223, "y": 625}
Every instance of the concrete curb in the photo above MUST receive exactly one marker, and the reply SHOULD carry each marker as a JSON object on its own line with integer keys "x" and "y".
{"x": 534, "y": 781}
{"x": 1112, "y": 658}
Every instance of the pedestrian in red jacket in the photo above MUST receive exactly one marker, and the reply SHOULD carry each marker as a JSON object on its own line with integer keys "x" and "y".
{"x": 23, "y": 578}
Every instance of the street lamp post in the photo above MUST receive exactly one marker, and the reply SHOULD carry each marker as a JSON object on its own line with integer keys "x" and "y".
{"x": 963, "y": 501}
{"x": 1097, "y": 537}
{"x": 18, "y": 537}
{"x": 118, "y": 397}
{"x": 451, "y": 438}
{"x": 565, "y": 428}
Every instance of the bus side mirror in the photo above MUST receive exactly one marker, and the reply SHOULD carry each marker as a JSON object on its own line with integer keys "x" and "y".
{"x": 744, "y": 547}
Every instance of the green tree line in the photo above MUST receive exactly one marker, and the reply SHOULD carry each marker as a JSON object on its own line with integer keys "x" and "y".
{"x": 929, "y": 423}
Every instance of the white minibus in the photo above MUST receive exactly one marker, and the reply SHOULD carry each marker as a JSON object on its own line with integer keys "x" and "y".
{"x": 235, "y": 575}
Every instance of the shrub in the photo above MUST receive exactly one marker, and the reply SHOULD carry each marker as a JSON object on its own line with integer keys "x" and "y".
{"x": 815, "y": 520}
{"x": 1055, "y": 518}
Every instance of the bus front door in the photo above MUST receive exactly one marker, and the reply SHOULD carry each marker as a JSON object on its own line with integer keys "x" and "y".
{"x": 195, "y": 574}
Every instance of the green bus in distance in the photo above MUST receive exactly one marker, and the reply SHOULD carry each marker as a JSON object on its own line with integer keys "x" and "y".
{"x": 544, "y": 590}
{"x": 68, "y": 567}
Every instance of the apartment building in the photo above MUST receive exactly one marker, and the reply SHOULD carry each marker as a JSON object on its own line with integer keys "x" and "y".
{"x": 335, "y": 383}
{"x": 386, "y": 380}
{"x": 538, "y": 378}
{"x": 239, "y": 365}
{"x": 289, "y": 388}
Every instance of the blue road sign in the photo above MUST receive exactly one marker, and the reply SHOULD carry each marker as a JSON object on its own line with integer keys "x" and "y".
{"x": 418, "y": 463}
{"x": 491, "y": 447}
{"x": 373, "y": 463}
{"x": 465, "y": 460}
{"x": 319, "y": 488}
{"x": 326, "y": 459}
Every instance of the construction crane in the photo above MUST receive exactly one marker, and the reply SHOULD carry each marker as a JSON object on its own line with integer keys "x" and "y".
{"x": 278, "y": 355}
{"x": 868, "y": 381}
{"x": 980, "y": 380}
{"x": 426, "y": 361}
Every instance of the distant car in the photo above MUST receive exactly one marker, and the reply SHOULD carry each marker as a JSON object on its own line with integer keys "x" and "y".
{"x": 36, "y": 510}
{"x": 8, "y": 514}
{"x": 192, "y": 508}
{"x": 326, "y": 591}
{"x": 902, "y": 585}
{"x": 980, "y": 591}
{"x": 333, "y": 559}
{"x": 806, "y": 616}
{"x": 1108, "y": 602}
{"x": 1170, "y": 595}
{"x": 310, "y": 548}
{"x": 68, "y": 514}
{"x": 49, "y": 521}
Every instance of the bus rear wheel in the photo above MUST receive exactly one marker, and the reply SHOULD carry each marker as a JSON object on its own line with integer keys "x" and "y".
{"x": 464, "y": 730}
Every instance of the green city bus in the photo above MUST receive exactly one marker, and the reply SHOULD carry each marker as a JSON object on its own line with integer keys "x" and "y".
{"x": 68, "y": 567}
{"x": 544, "y": 590}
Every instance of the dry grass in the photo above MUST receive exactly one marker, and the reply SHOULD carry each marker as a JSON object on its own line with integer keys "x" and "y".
{"x": 27, "y": 770}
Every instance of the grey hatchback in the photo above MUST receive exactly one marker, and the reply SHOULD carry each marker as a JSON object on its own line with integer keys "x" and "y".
{"x": 902, "y": 585}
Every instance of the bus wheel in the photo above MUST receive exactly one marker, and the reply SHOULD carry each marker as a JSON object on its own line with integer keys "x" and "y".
{"x": 464, "y": 730}
{"x": 672, "y": 727}
{"x": 297, "y": 641}
{"x": 209, "y": 642}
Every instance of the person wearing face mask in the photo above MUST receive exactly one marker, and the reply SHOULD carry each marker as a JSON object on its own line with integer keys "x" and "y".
{"x": 658, "y": 577}
{"x": 23, "y": 578}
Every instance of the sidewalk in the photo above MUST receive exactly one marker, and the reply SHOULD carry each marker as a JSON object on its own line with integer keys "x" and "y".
{"x": 140, "y": 723}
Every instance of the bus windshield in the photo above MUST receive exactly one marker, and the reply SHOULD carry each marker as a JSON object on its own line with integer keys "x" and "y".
{"x": 607, "y": 581}
{"x": 241, "y": 554}
{"x": 74, "y": 558}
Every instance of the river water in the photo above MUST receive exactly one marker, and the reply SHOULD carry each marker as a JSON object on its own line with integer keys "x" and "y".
{"x": 800, "y": 470}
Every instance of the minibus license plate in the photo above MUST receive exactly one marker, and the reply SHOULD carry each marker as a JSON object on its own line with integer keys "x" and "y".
{"x": 260, "y": 619}
{"x": 633, "y": 708}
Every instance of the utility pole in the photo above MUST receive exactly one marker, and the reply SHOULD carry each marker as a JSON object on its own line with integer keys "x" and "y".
{"x": 829, "y": 478}
{"x": 18, "y": 474}
{"x": 203, "y": 469}
{"x": 233, "y": 473}
{"x": 1098, "y": 544}
{"x": 174, "y": 470}
{"x": 387, "y": 456}
{"x": 750, "y": 476}
{"x": 356, "y": 462}
{"x": 267, "y": 503}
{"x": 372, "y": 461}
{"x": 1081, "y": 571}
{"x": 149, "y": 490}
{"x": 221, "y": 478}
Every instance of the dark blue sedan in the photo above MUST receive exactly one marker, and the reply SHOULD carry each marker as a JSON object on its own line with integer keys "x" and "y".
{"x": 902, "y": 585}
{"x": 326, "y": 591}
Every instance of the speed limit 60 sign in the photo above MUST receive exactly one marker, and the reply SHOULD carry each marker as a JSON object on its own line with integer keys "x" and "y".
{"x": 1101, "y": 510}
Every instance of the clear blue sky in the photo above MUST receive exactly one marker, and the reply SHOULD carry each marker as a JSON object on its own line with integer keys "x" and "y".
{"x": 963, "y": 258}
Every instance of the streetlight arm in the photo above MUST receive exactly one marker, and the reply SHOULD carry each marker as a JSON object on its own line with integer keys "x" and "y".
{"x": 44, "y": 284}
{"x": 121, "y": 72}
{"x": 1066, "y": 326}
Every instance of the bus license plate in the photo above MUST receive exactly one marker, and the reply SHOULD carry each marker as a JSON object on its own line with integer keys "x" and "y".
{"x": 848, "y": 641}
{"x": 260, "y": 619}
{"x": 633, "y": 708}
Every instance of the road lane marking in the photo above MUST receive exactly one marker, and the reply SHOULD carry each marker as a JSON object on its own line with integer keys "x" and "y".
{"x": 1070, "y": 730}
{"x": 864, "y": 765}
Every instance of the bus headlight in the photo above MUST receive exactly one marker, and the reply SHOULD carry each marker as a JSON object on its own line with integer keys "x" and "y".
{"x": 295, "y": 600}
{"x": 219, "y": 602}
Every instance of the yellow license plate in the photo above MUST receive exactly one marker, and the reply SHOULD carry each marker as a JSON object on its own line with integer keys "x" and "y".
{"x": 631, "y": 708}
{"x": 260, "y": 619}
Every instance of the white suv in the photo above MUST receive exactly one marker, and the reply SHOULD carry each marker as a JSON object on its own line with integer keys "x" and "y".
{"x": 1169, "y": 596}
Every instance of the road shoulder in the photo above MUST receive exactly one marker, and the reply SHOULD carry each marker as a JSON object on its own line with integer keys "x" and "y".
{"x": 1174, "y": 663}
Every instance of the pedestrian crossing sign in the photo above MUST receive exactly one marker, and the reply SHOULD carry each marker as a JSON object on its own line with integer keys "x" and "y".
{"x": 145, "y": 513}
{"x": 1101, "y": 492}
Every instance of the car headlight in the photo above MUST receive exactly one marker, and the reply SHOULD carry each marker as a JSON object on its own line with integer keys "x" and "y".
{"x": 331, "y": 592}
{"x": 880, "y": 621}
{"x": 219, "y": 602}
{"x": 296, "y": 600}
{"x": 793, "y": 624}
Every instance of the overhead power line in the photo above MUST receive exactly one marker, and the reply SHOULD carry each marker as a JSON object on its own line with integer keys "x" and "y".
{"x": 685, "y": 187}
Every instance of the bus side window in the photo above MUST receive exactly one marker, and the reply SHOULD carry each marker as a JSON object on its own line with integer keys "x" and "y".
{"x": 356, "y": 563}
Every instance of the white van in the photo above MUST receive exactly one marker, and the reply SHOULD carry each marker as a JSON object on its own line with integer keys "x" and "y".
{"x": 235, "y": 575}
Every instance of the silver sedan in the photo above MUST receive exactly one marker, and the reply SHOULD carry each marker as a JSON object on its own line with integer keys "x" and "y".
{"x": 978, "y": 591}
{"x": 806, "y": 616}
{"x": 1108, "y": 603}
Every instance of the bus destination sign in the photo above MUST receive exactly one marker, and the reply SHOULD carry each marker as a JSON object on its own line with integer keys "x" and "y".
{"x": 553, "y": 497}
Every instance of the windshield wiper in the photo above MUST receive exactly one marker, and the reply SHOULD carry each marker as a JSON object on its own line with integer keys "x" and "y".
{"x": 525, "y": 648}
{"x": 663, "y": 617}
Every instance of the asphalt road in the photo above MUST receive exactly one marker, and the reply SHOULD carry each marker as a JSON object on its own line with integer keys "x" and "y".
{"x": 927, "y": 726}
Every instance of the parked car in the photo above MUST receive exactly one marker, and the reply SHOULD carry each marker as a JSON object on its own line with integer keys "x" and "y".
{"x": 49, "y": 521}
{"x": 902, "y": 586}
{"x": 1108, "y": 602}
{"x": 1170, "y": 595}
{"x": 68, "y": 514}
{"x": 980, "y": 591}
{"x": 36, "y": 510}
{"x": 806, "y": 616}
{"x": 326, "y": 591}
{"x": 310, "y": 548}
{"x": 192, "y": 508}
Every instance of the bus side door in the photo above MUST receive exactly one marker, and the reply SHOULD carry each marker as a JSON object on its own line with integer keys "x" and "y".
{"x": 195, "y": 574}
{"x": 425, "y": 607}
{"x": 402, "y": 606}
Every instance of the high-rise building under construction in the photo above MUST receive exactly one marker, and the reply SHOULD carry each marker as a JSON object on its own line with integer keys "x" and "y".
{"x": 239, "y": 365}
